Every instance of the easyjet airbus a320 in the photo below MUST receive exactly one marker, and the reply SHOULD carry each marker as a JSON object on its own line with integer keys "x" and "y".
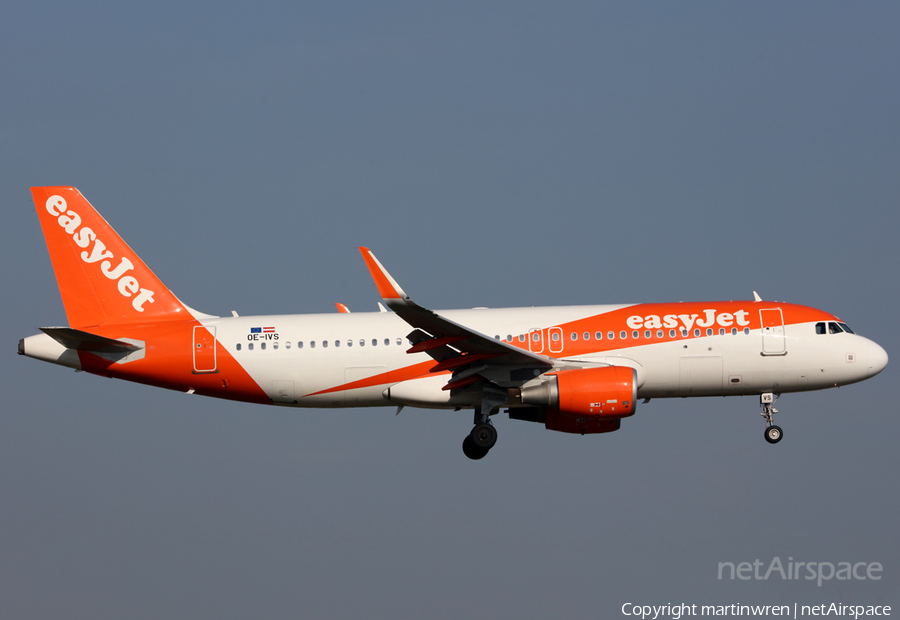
{"x": 575, "y": 369}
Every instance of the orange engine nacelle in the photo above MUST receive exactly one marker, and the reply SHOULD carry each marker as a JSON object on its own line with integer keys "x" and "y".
{"x": 587, "y": 400}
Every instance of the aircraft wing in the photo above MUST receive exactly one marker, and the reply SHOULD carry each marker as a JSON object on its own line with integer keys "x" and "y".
{"x": 455, "y": 347}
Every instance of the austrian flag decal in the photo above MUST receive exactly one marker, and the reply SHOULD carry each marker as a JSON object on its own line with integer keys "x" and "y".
{"x": 262, "y": 333}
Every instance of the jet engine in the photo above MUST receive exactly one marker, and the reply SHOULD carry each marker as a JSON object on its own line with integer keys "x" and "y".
{"x": 586, "y": 400}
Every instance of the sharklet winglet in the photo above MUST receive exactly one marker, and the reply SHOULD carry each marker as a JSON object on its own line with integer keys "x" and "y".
{"x": 387, "y": 286}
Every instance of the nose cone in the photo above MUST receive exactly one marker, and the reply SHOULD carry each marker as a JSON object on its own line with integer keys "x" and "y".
{"x": 878, "y": 359}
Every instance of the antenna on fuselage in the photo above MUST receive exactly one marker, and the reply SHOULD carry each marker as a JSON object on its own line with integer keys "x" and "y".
{"x": 756, "y": 296}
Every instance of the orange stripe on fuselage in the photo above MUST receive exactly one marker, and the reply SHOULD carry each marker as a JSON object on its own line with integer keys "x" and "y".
{"x": 386, "y": 378}
{"x": 694, "y": 314}
{"x": 169, "y": 363}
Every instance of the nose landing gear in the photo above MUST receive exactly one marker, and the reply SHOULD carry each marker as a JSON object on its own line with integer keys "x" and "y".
{"x": 767, "y": 400}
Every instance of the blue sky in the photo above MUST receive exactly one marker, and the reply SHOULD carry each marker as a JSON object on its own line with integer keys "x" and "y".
{"x": 503, "y": 155}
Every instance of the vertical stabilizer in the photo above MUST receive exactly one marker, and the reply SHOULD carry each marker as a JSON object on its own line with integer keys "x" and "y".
{"x": 101, "y": 279}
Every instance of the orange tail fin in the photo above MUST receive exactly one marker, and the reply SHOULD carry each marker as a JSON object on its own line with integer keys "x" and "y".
{"x": 101, "y": 279}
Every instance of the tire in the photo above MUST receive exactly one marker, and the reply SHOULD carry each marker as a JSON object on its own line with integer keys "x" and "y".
{"x": 484, "y": 436}
{"x": 471, "y": 450}
{"x": 774, "y": 434}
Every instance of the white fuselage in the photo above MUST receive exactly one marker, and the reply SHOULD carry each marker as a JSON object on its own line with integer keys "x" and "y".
{"x": 309, "y": 354}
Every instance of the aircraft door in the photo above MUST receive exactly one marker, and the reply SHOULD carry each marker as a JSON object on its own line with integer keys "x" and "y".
{"x": 536, "y": 341}
{"x": 204, "y": 349}
{"x": 555, "y": 342}
{"x": 772, "y": 323}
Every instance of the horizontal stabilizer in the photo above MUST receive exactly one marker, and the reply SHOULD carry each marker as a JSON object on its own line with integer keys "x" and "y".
{"x": 84, "y": 341}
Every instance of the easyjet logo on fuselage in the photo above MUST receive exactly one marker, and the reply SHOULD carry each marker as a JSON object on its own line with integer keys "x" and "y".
{"x": 127, "y": 285}
{"x": 670, "y": 321}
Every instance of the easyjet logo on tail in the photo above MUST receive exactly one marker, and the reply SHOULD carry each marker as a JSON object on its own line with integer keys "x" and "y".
{"x": 127, "y": 285}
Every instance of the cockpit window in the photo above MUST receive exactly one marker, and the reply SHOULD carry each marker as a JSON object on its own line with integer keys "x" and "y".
{"x": 820, "y": 328}
{"x": 834, "y": 328}
{"x": 846, "y": 329}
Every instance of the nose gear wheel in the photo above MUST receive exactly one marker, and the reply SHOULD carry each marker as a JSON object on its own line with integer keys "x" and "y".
{"x": 767, "y": 400}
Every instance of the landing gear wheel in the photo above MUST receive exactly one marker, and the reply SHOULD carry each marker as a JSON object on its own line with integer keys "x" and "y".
{"x": 473, "y": 451}
{"x": 484, "y": 436}
{"x": 767, "y": 400}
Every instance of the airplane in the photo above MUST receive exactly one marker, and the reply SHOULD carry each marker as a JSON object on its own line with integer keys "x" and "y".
{"x": 574, "y": 369}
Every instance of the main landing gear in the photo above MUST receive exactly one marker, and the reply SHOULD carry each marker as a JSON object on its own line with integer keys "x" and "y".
{"x": 479, "y": 442}
{"x": 767, "y": 400}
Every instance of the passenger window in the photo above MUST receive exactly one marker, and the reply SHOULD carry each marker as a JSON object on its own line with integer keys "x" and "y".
{"x": 709, "y": 331}
{"x": 250, "y": 346}
{"x": 509, "y": 338}
{"x": 324, "y": 344}
{"x": 696, "y": 333}
{"x": 671, "y": 333}
{"x": 734, "y": 331}
{"x": 684, "y": 332}
{"x": 635, "y": 334}
{"x": 659, "y": 333}
{"x": 535, "y": 337}
{"x": 647, "y": 333}
{"x": 623, "y": 334}
{"x": 349, "y": 343}
{"x": 555, "y": 336}
{"x": 721, "y": 331}
{"x": 496, "y": 337}
{"x": 362, "y": 342}
{"x": 238, "y": 347}
{"x": 846, "y": 329}
{"x": 399, "y": 341}
{"x": 747, "y": 331}
{"x": 300, "y": 344}
{"x": 573, "y": 336}
{"x": 611, "y": 335}
{"x": 374, "y": 342}
{"x": 312, "y": 344}
{"x": 587, "y": 335}
{"x": 820, "y": 328}
{"x": 287, "y": 345}
{"x": 262, "y": 345}
{"x": 337, "y": 343}
{"x": 521, "y": 337}
{"x": 598, "y": 335}
{"x": 275, "y": 345}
